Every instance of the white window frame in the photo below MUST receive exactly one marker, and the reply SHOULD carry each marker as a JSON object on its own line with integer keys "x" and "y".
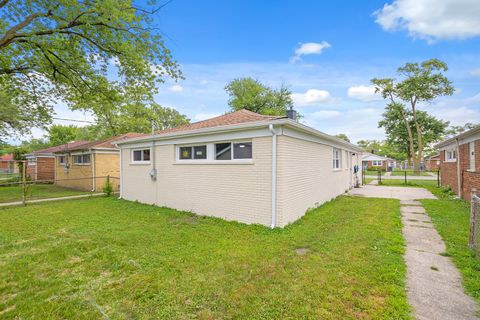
{"x": 31, "y": 161}
{"x": 376, "y": 163}
{"x": 211, "y": 153}
{"x": 451, "y": 155}
{"x": 132, "y": 158}
{"x": 82, "y": 163}
{"x": 60, "y": 159}
{"x": 337, "y": 156}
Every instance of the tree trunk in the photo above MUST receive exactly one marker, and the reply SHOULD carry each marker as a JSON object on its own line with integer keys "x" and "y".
{"x": 410, "y": 139}
{"x": 419, "y": 137}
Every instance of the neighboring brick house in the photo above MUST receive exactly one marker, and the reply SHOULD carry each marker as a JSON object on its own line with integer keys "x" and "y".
{"x": 460, "y": 162}
{"x": 41, "y": 163}
{"x": 7, "y": 164}
{"x": 240, "y": 166}
{"x": 433, "y": 163}
{"x": 373, "y": 161}
{"x": 85, "y": 166}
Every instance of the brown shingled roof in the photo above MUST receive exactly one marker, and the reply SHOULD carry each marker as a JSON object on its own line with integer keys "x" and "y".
{"x": 60, "y": 148}
{"x": 106, "y": 143}
{"x": 237, "y": 117}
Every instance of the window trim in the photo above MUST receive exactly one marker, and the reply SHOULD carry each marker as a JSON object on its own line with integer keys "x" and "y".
{"x": 375, "y": 163}
{"x": 83, "y": 163}
{"x": 64, "y": 158}
{"x": 134, "y": 162}
{"x": 336, "y": 151}
{"x": 211, "y": 153}
{"x": 31, "y": 161}
{"x": 447, "y": 158}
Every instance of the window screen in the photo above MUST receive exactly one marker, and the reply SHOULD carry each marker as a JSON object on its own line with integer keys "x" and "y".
{"x": 185, "y": 153}
{"x": 242, "y": 150}
{"x": 223, "y": 151}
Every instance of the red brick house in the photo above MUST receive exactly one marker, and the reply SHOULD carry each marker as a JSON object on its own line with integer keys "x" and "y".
{"x": 433, "y": 163}
{"x": 41, "y": 163}
{"x": 373, "y": 161}
{"x": 460, "y": 162}
{"x": 7, "y": 164}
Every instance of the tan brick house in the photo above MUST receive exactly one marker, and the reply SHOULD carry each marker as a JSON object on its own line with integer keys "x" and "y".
{"x": 86, "y": 166}
{"x": 241, "y": 166}
{"x": 460, "y": 162}
{"x": 41, "y": 163}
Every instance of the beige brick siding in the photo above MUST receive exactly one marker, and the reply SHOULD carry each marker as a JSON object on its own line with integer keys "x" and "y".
{"x": 80, "y": 176}
{"x": 306, "y": 177}
{"x": 240, "y": 192}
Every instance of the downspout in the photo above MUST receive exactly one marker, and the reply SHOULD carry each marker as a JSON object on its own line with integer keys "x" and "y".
{"x": 274, "y": 175}
{"x": 121, "y": 170}
{"x": 459, "y": 177}
{"x": 92, "y": 163}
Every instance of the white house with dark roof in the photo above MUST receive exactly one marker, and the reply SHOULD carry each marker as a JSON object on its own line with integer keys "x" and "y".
{"x": 241, "y": 166}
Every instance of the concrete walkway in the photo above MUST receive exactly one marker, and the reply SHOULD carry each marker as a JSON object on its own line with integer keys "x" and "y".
{"x": 434, "y": 287}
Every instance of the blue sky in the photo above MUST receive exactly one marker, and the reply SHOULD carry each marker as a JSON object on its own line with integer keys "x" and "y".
{"x": 325, "y": 51}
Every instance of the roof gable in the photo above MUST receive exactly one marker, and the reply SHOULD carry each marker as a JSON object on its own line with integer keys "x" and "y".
{"x": 108, "y": 143}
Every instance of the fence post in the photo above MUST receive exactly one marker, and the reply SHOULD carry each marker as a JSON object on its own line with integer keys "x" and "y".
{"x": 438, "y": 178}
{"x": 405, "y": 172}
{"x": 379, "y": 176}
{"x": 473, "y": 211}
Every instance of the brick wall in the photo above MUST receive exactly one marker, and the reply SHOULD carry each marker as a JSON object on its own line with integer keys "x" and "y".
{"x": 469, "y": 179}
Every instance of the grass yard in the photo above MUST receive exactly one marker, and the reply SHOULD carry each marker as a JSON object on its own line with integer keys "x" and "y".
{"x": 411, "y": 173}
{"x": 410, "y": 183}
{"x": 110, "y": 258}
{"x": 36, "y": 191}
{"x": 451, "y": 219}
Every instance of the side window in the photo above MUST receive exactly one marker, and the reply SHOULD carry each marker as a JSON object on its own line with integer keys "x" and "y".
{"x": 337, "y": 158}
{"x": 142, "y": 155}
{"x": 192, "y": 153}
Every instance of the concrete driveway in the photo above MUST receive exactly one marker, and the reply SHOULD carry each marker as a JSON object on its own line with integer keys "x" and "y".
{"x": 400, "y": 193}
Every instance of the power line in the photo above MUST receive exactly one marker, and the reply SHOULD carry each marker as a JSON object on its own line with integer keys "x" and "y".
{"x": 74, "y": 120}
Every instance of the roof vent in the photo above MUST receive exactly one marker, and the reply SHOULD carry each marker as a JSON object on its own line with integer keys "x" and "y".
{"x": 292, "y": 114}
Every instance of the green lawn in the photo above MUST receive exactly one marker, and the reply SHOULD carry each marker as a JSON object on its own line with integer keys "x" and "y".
{"x": 451, "y": 219}
{"x": 36, "y": 191}
{"x": 110, "y": 258}
{"x": 410, "y": 173}
{"x": 410, "y": 183}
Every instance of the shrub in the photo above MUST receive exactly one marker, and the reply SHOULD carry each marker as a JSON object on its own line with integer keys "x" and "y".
{"x": 107, "y": 187}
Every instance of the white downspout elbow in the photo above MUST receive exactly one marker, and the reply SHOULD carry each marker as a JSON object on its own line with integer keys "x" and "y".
{"x": 274, "y": 175}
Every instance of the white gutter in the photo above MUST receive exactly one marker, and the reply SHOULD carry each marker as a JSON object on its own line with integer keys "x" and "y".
{"x": 274, "y": 175}
{"x": 459, "y": 183}
{"x": 92, "y": 162}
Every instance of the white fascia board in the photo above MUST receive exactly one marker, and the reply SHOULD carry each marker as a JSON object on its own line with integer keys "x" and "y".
{"x": 204, "y": 138}
{"x": 208, "y": 134}
{"x": 469, "y": 136}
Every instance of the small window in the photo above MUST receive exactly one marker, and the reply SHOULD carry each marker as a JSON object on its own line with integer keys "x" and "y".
{"x": 81, "y": 159}
{"x": 141, "y": 155}
{"x": 337, "y": 158}
{"x": 242, "y": 150}
{"x": 377, "y": 163}
{"x": 451, "y": 155}
{"x": 192, "y": 153}
{"x": 223, "y": 151}
{"x": 31, "y": 162}
{"x": 61, "y": 160}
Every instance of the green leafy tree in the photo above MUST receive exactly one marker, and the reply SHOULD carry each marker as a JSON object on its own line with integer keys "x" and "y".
{"x": 60, "y": 134}
{"x": 343, "y": 136}
{"x": 433, "y": 130}
{"x": 455, "y": 130}
{"x": 250, "y": 94}
{"x": 53, "y": 51}
{"x": 382, "y": 148}
{"x": 419, "y": 82}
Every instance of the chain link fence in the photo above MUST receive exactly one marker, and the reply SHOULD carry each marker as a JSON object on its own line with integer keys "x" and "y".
{"x": 24, "y": 191}
{"x": 474, "y": 234}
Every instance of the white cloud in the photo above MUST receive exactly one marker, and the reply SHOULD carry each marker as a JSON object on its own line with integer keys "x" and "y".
{"x": 312, "y": 96}
{"x": 475, "y": 72}
{"x": 363, "y": 93}
{"x": 432, "y": 19}
{"x": 325, "y": 114}
{"x": 176, "y": 88}
{"x": 204, "y": 116}
{"x": 309, "y": 48}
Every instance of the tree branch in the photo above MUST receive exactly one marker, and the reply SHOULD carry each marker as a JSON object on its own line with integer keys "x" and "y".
{"x": 3, "y": 3}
